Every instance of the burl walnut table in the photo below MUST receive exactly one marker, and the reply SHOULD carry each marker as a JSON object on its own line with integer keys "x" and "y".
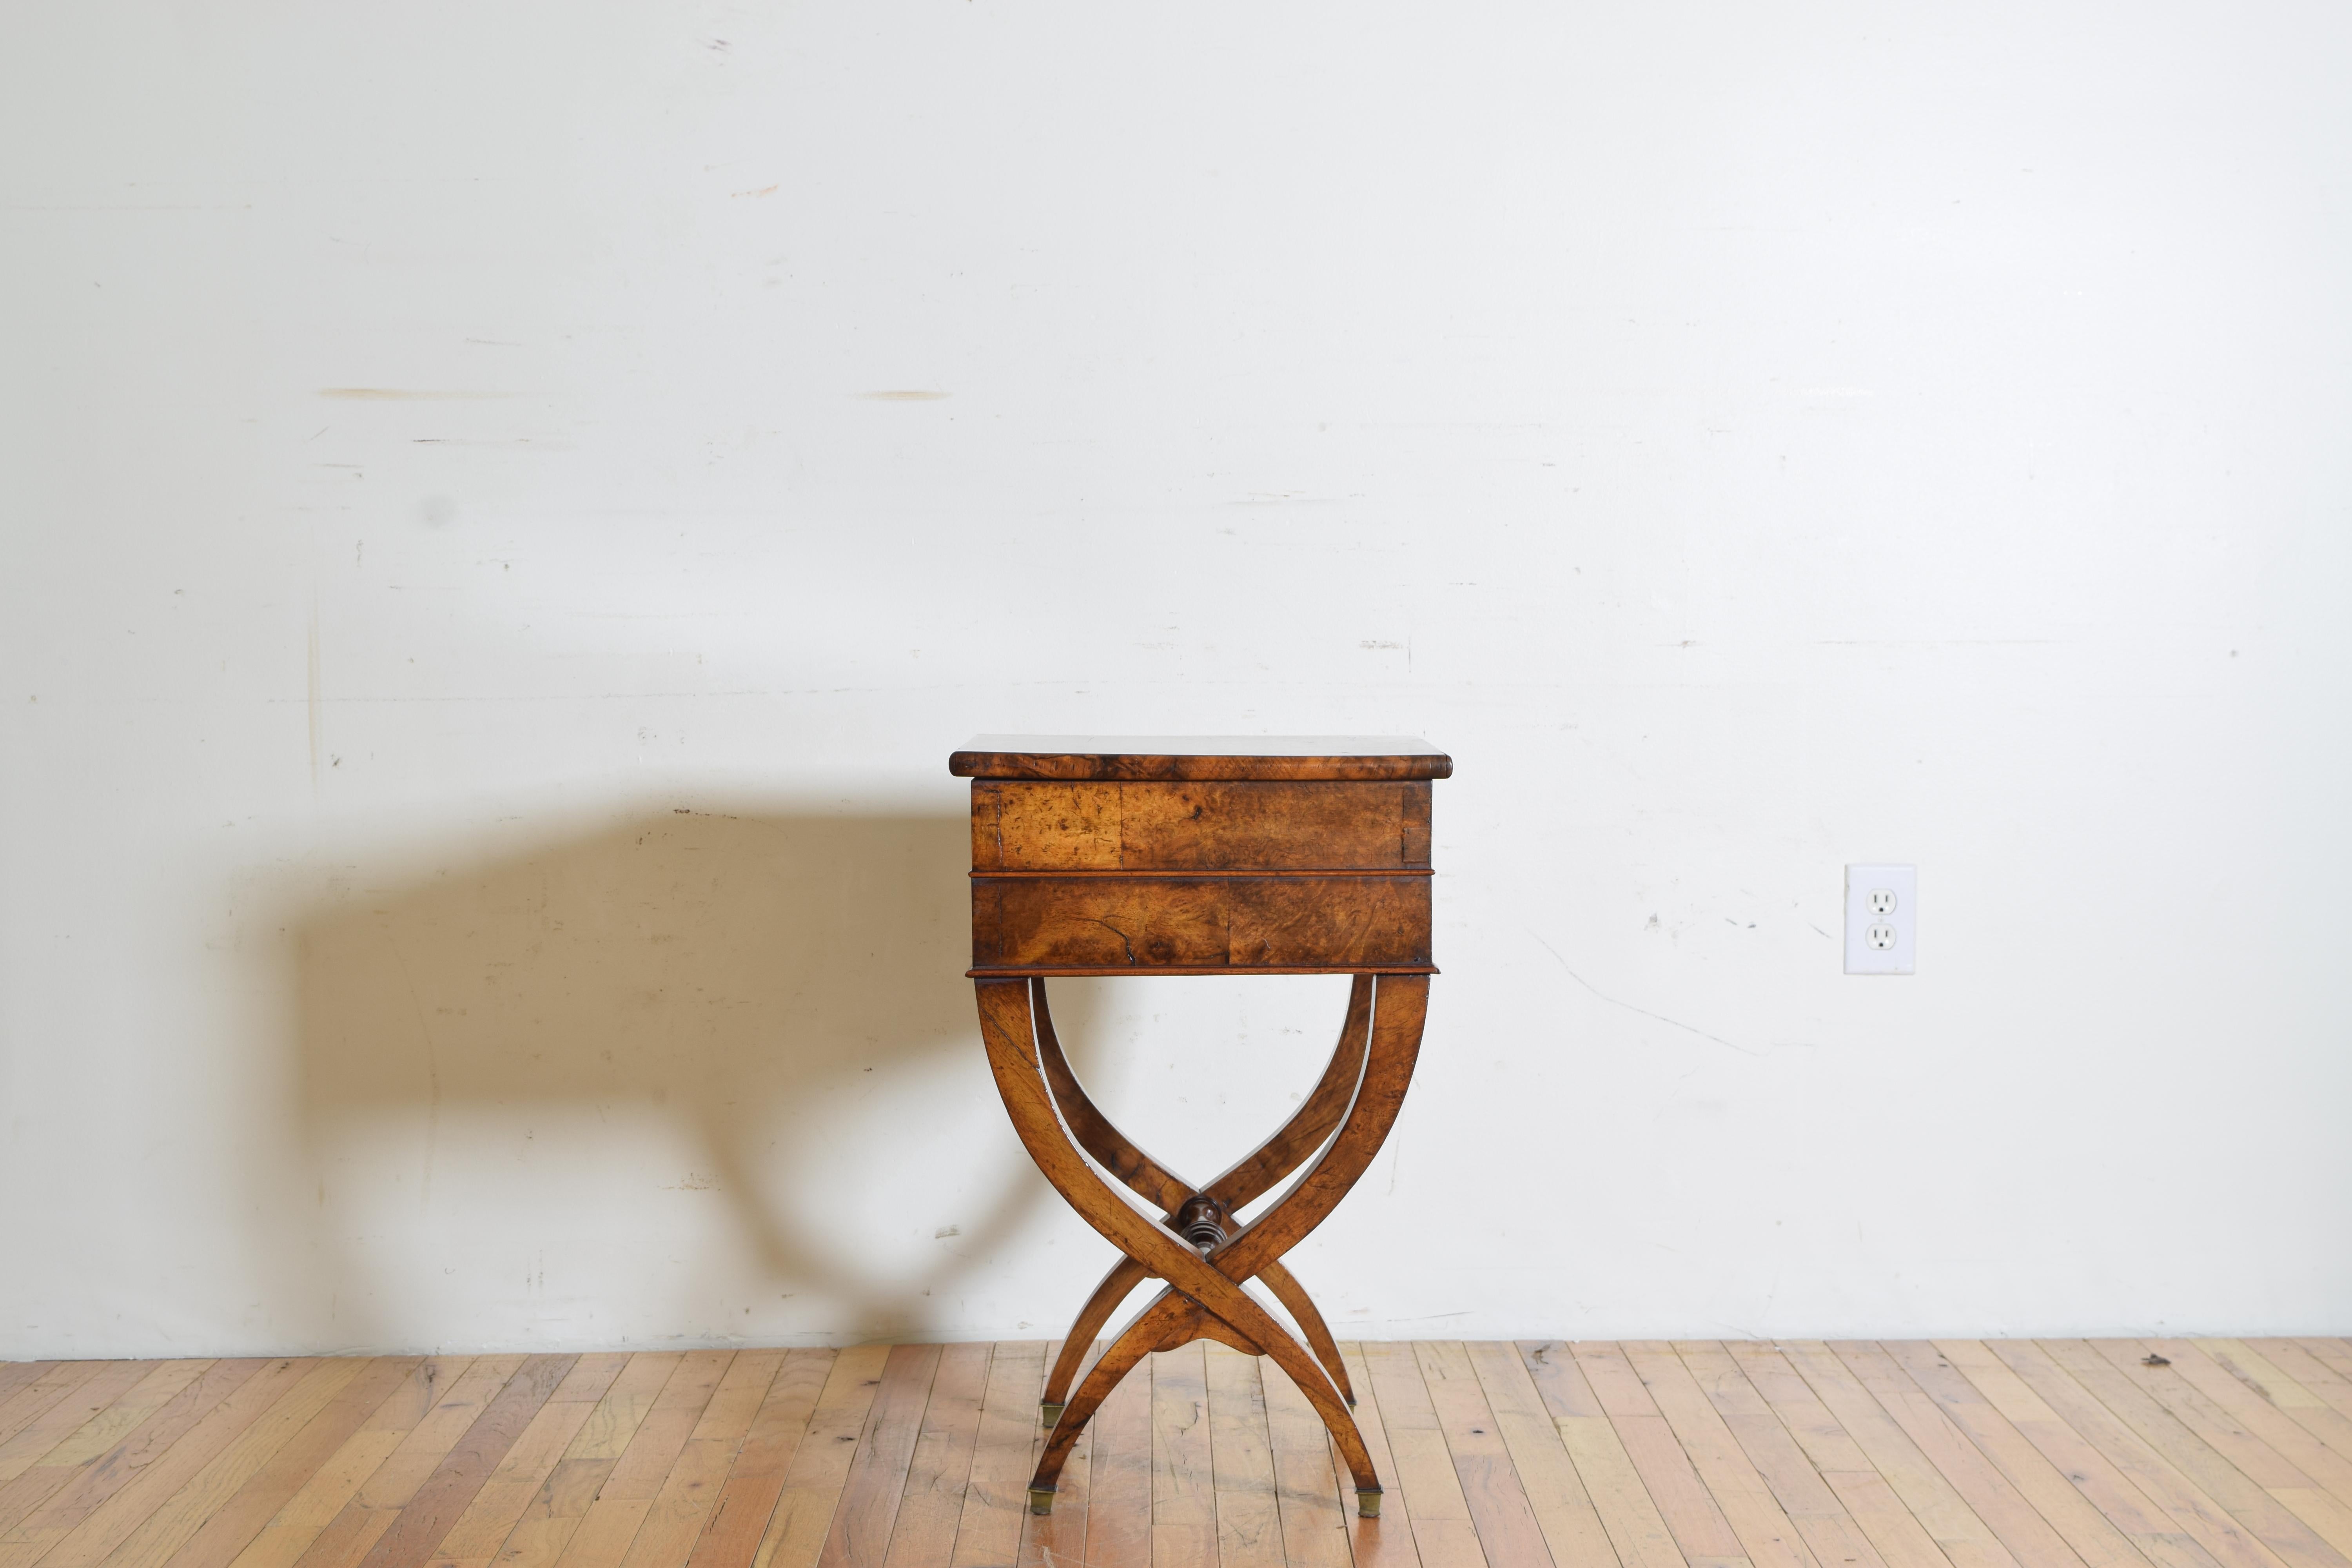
{"x": 1201, "y": 855}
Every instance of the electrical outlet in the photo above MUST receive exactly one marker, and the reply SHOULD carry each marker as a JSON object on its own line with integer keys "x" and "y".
{"x": 1882, "y": 919}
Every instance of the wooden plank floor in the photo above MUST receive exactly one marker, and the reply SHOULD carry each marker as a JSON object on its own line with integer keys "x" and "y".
{"x": 1952, "y": 1454}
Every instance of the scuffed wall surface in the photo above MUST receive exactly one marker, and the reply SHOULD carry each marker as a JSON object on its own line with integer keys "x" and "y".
{"x": 508, "y": 508}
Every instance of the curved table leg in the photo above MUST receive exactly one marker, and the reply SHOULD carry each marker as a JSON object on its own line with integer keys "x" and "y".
{"x": 1213, "y": 1285}
{"x": 1301, "y": 1306}
{"x": 1112, "y": 1148}
{"x": 1007, "y": 1025}
{"x": 1124, "y": 1277}
{"x": 1164, "y": 1312}
{"x": 1259, "y": 1172}
{"x": 1253, "y": 1176}
{"x": 1120, "y": 1282}
{"x": 1249, "y": 1177}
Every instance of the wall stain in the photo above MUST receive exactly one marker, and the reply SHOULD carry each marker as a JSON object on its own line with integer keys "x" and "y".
{"x": 405, "y": 394}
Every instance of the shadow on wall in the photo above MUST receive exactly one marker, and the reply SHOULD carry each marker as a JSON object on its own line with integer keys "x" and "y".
{"x": 503, "y": 1069}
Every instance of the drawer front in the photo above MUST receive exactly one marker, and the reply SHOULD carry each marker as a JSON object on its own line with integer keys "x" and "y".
{"x": 1216, "y": 826}
{"x": 1123, "y": 924}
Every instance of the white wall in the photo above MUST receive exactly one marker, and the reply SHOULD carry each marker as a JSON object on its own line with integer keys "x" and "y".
{"x": 477, "y": 861}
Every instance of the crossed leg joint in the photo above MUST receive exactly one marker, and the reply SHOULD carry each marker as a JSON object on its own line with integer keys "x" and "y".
{"x": 1193, "y": 1242}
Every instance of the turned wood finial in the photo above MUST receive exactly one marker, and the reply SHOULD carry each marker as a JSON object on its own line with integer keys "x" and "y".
{"x": 1201, "y": 1222}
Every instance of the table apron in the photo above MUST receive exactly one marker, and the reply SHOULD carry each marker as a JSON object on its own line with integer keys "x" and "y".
{"x": 1352, "y": 922}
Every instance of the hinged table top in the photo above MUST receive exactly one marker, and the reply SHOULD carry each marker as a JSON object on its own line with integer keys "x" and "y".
{"x": 1200, "y": 757}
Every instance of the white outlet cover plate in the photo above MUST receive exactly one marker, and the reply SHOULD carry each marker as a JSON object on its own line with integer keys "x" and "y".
{"x": 1861, "y": 957}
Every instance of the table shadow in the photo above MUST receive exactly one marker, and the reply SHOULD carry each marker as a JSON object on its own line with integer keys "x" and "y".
{"x": 734, "y": 980}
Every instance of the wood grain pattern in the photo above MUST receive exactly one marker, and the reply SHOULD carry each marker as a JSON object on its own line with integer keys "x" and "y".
{"x": 2285, "y": 1373}
{"x": 1387, "y": 1540}
{"x": 1240, "y": 1456}
{"x": 1635, "y": 1526}
{"x": 86, "y": 1402}
{"x": 996, "y": 1496}
{"x": 82, "y": 1526}
{"x": 673, "y": 1520}
{"x": 2148, "y": 1471}
{"x": 605, "y": 1531}
{"x": 329, "y": 1489}
{"x": 443, "y": 1495}
{"x": 1931, "y": 1496}
{"x": 941, "y": 1466}
{"x": 2266, "y": 1518}
{"x": 1898, "y": 1536}
{"x": 1499, "y": 1509}
{"x": 2070, "y": 1452}
{"x": 38, "y": 1397}
{"x": 162, "y": 1387}
{"x": 1816, "y": 1511}
{"x": 1183, "y": 1475}
{"x": 739, "y": 1518}
{"x": 2065, "y": 1502}
{"x": 1128, "y": 925}
{"x": 474, "y": 1540}
{"x": 2297, "y": 1474}
{"x": 1119, "y": 1481}
{"x": 1765, "y": 1535}
{"x": 1314, "y": 1510}
{"x": 162, "y": 1532}
{"x": 556, "y": 1509}
{"x": 1442, "y": 1532}
{"x": 1199, "y": 758}
{"x": 860, "y": 1532}
{"x": 820, "y": 1465}
{"x": 1683, "y": 1501}
{"x": 2332, "y": 1356}
{"x": 1219, "y": 827}
{"x": 2307, "y": 1435}
{"x": 16, "y": 1375}
{"x": 222, "y": 1536}
{"x": 406, "y": 1439}
{"x": 1571, "y": 1528}
{"x": 1990, "y": 1495}
{"x": 100, "y": 1442}
{"x": 1060, "y": 1537}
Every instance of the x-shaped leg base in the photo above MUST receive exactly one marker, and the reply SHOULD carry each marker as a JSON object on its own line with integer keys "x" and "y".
{"x": 1193, "y": 1241}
